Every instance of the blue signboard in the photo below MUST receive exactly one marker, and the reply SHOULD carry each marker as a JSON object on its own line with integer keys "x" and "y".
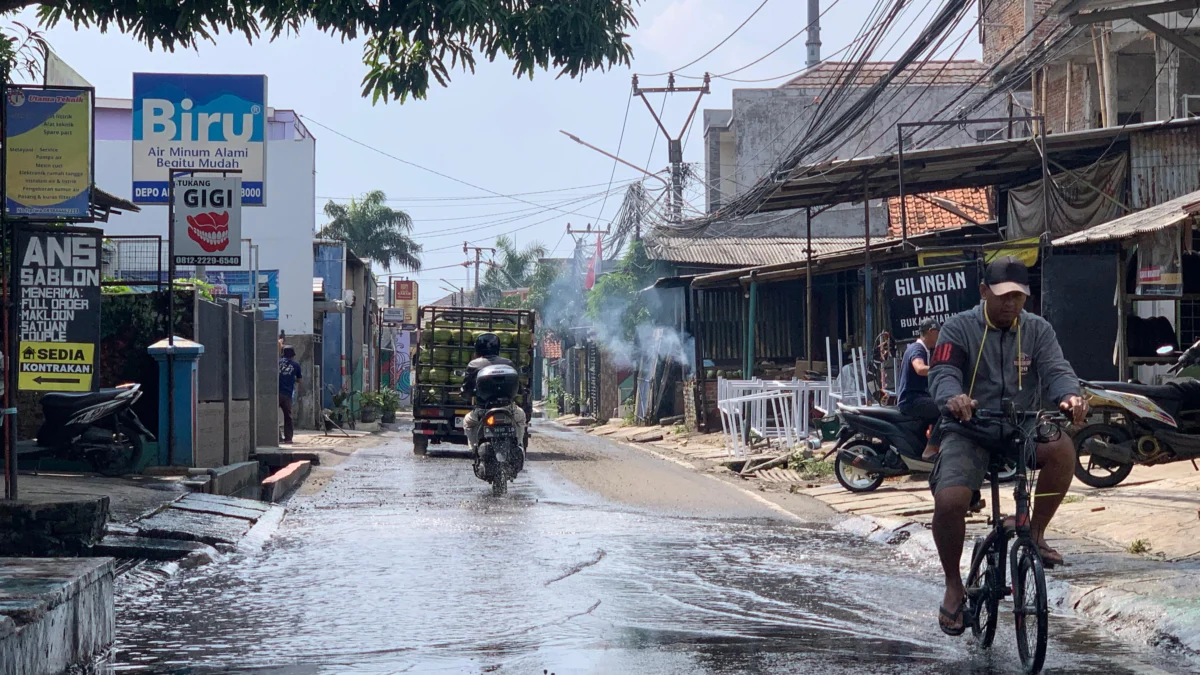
{"x": 210, "y": 122}
{"x": 237, "y": 282}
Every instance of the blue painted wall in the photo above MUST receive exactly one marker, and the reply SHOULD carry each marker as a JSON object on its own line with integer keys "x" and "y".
{"x": 327, "y": 264}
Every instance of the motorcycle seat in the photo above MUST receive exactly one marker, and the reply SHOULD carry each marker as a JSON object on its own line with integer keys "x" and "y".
{"x": 79, "y": 399}
{"x": 892, "y": 415}
{"x": 1152, "y": 391}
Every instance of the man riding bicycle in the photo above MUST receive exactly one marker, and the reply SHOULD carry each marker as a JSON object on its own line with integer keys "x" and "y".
{"x": 984, "y": 356}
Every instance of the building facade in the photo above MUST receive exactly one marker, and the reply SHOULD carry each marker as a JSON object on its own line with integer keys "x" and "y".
{"x": 282, "y": 230}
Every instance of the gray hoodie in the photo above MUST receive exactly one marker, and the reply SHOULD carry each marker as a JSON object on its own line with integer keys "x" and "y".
{"x": 1034, "y": 376}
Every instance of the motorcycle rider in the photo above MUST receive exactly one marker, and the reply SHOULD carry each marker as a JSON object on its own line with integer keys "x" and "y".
{"x": 915, "y": 400}
{"x": 983, "y": 356}
{"x": 487, "y": 353}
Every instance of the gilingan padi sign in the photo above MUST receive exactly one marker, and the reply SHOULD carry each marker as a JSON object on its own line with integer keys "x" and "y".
{"x": 209, "y": 122}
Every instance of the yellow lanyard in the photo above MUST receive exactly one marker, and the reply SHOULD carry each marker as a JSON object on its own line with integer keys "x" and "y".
{"x": 988, "y": 324}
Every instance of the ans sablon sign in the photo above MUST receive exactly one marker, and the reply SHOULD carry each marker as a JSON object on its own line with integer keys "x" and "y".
{"x": 59, "y": 321}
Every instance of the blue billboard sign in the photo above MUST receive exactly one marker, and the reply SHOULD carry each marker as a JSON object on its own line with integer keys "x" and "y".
{"x": 209, "y": 122}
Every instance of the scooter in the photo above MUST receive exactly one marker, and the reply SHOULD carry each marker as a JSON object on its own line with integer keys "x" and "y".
{"x": 1136, "y": 424}
{"x": 99, "y": 427}
{"x": 876, "y": 442}
{"x": 500, "y": 455}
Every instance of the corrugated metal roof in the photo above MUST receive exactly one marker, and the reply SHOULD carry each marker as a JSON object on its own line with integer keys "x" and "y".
{"x": 924, "y": 214}
{"x": 997, "y": 163}
{"x": 742, "y": 251}
{"x": 830, "y": 73}
{"x": 1140, "y": 222}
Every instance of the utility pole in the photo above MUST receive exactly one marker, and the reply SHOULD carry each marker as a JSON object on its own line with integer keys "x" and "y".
{"x": 478, "y": 252}
{"x": 584, "y": 234}
{"x": 674, "y": 144}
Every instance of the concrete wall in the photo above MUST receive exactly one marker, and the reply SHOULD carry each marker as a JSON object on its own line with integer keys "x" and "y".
{"x": 307, "y": 407}
{"x": 70, "y": 620}
{"x": 283, "y": 229}
{"x": 267, "y": 384}
{"x": 210, "y": 435}
{"x": 239, "y": 432}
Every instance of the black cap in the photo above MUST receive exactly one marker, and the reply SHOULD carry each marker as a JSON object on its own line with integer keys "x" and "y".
{"x": 1007, "y": 274}
{"x": 928, "y": 325}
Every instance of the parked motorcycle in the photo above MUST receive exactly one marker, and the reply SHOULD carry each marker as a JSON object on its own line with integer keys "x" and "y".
{"x": 876, "y": 442}
{"x": 1138, "y": 424}
{"x": 99, "y": 427}
{"x": 500, "y": 455}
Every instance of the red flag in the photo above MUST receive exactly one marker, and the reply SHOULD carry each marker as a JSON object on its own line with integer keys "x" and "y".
{"x": 594, "y": 266}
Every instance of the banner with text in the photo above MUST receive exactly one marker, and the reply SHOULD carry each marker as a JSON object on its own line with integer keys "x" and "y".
{"x": 48, "y": 149}
{"x": 198, "y": 122}
{"x": 59, "y": 295}
{"x": 919, "y": 293}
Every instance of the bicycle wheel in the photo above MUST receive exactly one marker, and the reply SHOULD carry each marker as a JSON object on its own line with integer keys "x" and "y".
{"x": 983, "y": 594}
{"x": 1030, "y": 611}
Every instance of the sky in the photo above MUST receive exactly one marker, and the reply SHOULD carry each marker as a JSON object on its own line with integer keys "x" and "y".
{"x": 493, "y": 131}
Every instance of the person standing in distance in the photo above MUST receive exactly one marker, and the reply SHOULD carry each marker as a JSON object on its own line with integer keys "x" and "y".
{"x": 290, "y": 378}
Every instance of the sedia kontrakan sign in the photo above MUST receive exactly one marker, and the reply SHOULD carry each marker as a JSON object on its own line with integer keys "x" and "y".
{"x": 208, "y": 221}
{"x": 201, "y": 122}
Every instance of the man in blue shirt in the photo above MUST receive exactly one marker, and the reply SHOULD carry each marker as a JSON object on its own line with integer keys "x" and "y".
{"x": 289, "y": 383}
{"x": 915, "y": 400}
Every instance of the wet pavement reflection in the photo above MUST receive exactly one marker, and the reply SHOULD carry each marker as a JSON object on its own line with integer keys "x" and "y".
{"x": 406, "y": 564}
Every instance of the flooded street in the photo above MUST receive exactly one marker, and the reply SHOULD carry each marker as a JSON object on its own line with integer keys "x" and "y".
{"x": 600, "y": 560}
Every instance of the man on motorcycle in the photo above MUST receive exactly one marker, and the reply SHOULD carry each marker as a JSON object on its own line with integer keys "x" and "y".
{"x": 986, "y": 355}
{"x": 487, "y": 353}
{"x": 915, "y": 400}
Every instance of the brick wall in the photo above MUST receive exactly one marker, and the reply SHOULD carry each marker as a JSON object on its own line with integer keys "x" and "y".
{"x": 1005, "y": 22}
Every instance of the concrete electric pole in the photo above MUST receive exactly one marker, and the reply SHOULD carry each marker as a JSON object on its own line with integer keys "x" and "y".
{"x": 674, "y": 143}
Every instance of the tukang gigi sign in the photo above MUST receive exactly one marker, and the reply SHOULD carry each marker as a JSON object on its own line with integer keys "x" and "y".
{"x": 208, "y": 221}
{"x": 203, "y": 122}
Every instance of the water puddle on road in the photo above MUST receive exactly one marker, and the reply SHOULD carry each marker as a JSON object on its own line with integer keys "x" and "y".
{"x": 409, "y": 565}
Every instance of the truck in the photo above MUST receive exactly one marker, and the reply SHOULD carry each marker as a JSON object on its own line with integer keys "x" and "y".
{"x": 446, "y": 344}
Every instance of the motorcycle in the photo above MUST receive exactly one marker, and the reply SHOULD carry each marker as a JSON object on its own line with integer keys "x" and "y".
{"x": 1139, "y": 424}
{"x": 99, "y": 427}
{"x": 500, "y": 455}
{"x": 877, "y": 443}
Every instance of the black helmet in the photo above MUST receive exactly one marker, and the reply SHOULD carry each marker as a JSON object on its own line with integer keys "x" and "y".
{"x": 487, "y": 345}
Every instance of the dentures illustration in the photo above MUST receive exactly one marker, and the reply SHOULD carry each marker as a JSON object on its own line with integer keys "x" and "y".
{"x": 210, "y": 230}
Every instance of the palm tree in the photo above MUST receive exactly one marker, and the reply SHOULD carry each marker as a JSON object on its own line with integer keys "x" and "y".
{"x": 514, "y": 268}
{"x": 374, "y": 230}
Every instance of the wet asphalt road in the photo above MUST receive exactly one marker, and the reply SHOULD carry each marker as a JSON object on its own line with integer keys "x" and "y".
{"x": 408, "y": 565}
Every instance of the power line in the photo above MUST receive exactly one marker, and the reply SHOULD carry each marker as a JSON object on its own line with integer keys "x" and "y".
{"x": 621, "y": 141}
{"x": 427, "y": 169}
{"x": 474, "y": 198}
{"x": 719, "y": 44}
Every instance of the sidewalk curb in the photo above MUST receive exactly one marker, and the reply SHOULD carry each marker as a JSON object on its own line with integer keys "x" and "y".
{"x": 1128, "y": 616}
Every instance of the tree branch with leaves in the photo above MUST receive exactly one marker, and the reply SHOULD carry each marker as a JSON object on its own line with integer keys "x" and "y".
{"x": 374, "y": 230}
{"x": 407, "y": 44}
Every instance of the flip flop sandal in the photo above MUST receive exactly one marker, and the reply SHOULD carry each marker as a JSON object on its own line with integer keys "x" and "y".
{"x": 960, "y": 615}
{"x": 1050, "y": 557}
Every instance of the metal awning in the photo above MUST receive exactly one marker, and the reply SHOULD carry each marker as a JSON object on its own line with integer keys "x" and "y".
{"x": 1004, "y": 163}
{"x": 1145, "y": 221}
{"x": 105, "y": 204}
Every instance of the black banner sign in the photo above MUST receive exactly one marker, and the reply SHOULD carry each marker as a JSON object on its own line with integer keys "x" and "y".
{"x": 59, "y": 324}
{"x": 919, "y": 293}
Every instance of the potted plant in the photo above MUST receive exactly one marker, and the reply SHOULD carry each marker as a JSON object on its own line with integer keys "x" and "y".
{"x": 340, "y": 413}
{"x": 369, "y": 402}
{"x": 389, "y": 400}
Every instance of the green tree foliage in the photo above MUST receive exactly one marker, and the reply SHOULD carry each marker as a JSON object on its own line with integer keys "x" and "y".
{"x": 406, "y": 44}
{"x": 615, "y": 295}
{"x": 374, "y": 230}
{"x": 513, "y": 269}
